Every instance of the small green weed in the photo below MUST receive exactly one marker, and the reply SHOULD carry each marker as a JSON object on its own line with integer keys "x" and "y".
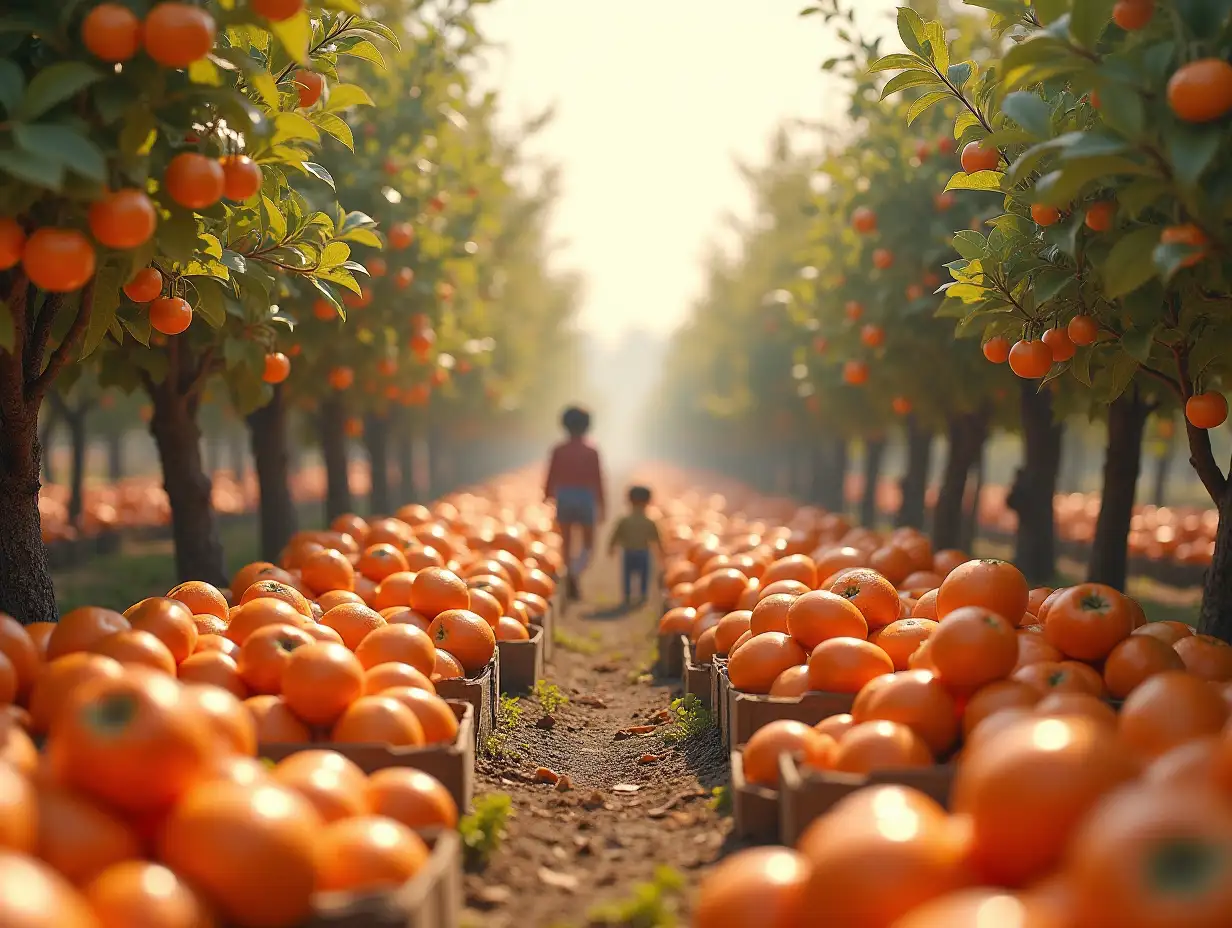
{"x": 690, "y": 719}
{"x": 721, "y": 800}
{"x": 483, "y": 830}
{"x": 651, "y": 905}
{"x": 549, "y": 696}
{"x": 508, "y": 714}
{"x": 574, "y": 643}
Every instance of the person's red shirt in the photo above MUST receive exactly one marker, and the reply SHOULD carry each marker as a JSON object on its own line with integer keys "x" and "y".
{"x": 575, "y": 463}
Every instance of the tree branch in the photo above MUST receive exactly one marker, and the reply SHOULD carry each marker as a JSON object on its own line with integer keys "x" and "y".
{"x": 40, "y": 333}
{"x": 60, "y": 357}
{"x": 1201, "y": 455}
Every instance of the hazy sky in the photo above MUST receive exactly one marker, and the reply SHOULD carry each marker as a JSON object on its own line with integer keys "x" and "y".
{"x": 654, "y": 101}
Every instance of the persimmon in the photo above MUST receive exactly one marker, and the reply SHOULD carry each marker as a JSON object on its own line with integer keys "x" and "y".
{"x": 976, "y": 156}
{"x": 880, "y": 745}
{"x": 241, "y": 177}
{"x": 277, "y": 367}
{"x": 761, "y": 754}
{"x": 177, "y": 34}
{"x": 411, "y": 797}
{"x": 1136, "y": 659}
{"x": 58, "y": 260}
{"x": 996, "y": 585}
{"x": 276, "y": 10}
{"x": 758, "y": 886}
{"x": 1168, "y": 709}
{"x": 123, "y": 218}
{"x": 1083, "y": 330}
{"x": 1201, "y": 91}
{"x": 146, "y": 285}
{"x": 997, "y": 349}
{"x": 853, "y": 310}
{"x": 1045, "y": 215}
{"x": 368, "y": 854}
{"x": 1030, "y": 359}
{"x": 901, "y": 406}
{"x": 1206, "y": 410}
{"x": 111, "y": 32}
{"x": 1132, "y": 15}
{"x": 1100, "y": 216}
{"x": 1060, "y": 344}
{"x": 170, "y": 315}
{"x": 309, "y": 85}
{"x": 192, "y": 180}
{"x": 1087, "y": 621}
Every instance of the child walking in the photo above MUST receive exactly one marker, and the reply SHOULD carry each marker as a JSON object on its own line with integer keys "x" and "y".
{"x": 635, "y": 534}
{"x": 575, "y": 484}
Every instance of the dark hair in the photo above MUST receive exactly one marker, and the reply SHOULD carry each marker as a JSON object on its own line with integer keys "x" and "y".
{"x": 639, "y": 495}
{"x": 576, "y": 421}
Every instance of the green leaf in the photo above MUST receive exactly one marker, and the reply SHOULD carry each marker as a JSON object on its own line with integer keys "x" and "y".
{"x": 958, "y": 74}
{"x": 911, "y": 29}
{"x": 344, "y": 96}
{"x": 909, "y": 79}
{"x": 1049, "y": 11}
{"x": 970, "y": 245}
{"x": 980, "y": 180}
{"x": 291, "y": 126}
{"x": 263, "y": 83}
{"x": 67, "y": 146}
{"x": 53, "y": 85}
{"x": 1170, "y": 257}
{"x": 103, "y": 313}
{"x": 378, "y": 29}
{"x": 295, "y": 35}
{"x": 1120, "y": 107}
{"x": 1191, "y": 149}
{"x": 897, "y": 62}
{"x": 205, "y": 72}
{"x": 365, "y": 51}
{"x": 1204, "y": 18}
{"x": 12, "y": 85}
{"x": 1138, "y": 343}
{"x": 211, "y": 301}
{"x": 319, "y": 172}
{"x": 1129, "y": 264}
{"x": 275, "y": 221}
{"x": 139, "y": 133}
{"x": 32, "y": 169}
{"x": 177, "y": 236}
{"x": 1088, "y": 19}
{"x": 1038, "y": 48}
{"x": 335, "y": 126}
{"x": 922, "y": 104}
{"x": 1029, "y": 111}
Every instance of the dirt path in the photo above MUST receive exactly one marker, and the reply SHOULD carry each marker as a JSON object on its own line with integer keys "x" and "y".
{"x": 637, "y": 802}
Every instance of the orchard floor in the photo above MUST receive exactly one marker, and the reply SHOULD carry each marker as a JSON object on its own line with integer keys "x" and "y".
{"x": 596, "y": 854}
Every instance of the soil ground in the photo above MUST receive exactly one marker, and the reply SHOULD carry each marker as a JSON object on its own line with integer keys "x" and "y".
{"x": 593, "y": 854}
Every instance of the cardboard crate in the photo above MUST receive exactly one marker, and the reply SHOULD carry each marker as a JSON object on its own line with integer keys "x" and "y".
{"x": 806, "y": 794}
{"x": 670, "y": 665}
{"x": 747, "y": 712}
{"x": 453, "y": 764}
{"x": 482, "y": 691}
{"x": 433, "y": 899}
{"x": 521, "y": 662}
{"x": 755, "y": 809}
{"x": 697, "y": 678}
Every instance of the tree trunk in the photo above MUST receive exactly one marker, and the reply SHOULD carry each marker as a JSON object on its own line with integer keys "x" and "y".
{"x": 76, "y": 419}
{"x": 376, "y": 440}
{"x": 404, "y": 451}
{"x": 198, "y": 550}
{"x": 332, "y": 423}
{"x": 26, "y": 592}
{"x": 830, "y": 473}
{"x": 239, "y": 459}
{"x": 967, "y": 434}
{"x": 115, "y": 456}
{"x": 1109, "y": 549}
{"x": 267, "y": 429}
{"x": 874, "y": 455}
{"x": 1163, "y": 469}
{"x": 1035, "y": 486}
{"x": 914, "y": 484}
{"x": 971, "y": 505}
{"x": 47, "y": 440}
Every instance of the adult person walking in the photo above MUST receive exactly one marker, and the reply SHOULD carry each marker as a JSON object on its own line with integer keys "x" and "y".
{"x": 575, "y": 484}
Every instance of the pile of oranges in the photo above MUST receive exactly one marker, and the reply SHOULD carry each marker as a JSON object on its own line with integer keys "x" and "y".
{"x": 146, "y": 803}
{"x": 1091, "y": 749}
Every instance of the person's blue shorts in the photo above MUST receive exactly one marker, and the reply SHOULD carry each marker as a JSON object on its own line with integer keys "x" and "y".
{"x": 575, "y": 506}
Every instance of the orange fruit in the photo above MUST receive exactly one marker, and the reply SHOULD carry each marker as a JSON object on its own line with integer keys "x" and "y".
{"x": 1169, "y": 709}
{"x": 845, "y": 665}
{"x": 309, "y": 85}
{"x": 275, "y": 722}
{"x": 327, "y": 570}
{"x": 677, "y": 621}
{"x": 761, "y": 754}
{"x": 759, "y": 662}
{"x": 973, "y": 646}
{"x": 971, "y": 908}
{"x": 835, "y": 725}
{"x": 177, "y": 34}
{"x": 905, "y": 833}
{"x": 1201, "y": 90}
{"x": 168, "y": 620}
{"x": 170, "y": 315}
{"x": 901, "y": 639}
{"x": 871, "y": 593}
{"x": 78, "y": 837}
{"x": 1136, "y": 659}
{"x": 354, "y": 623}
{"x": 727, "y": 630}
{"x": 194, "y": 181}
{"x": 436, "y": 718}
{"x": 241, "y": 179}
{"x": 1206, "y": 657}
{"x": 259, "y": 613}
{"x": 870, "y": 746}
{"x": 996, "y": 585}
{"x": 378, "y": 561}
{"x": 447, "y": 667}
{"x": 225, "y": 715}
{"x": 33, "y": 895}
{"x": 82, "y": 628}
{"x": 136, "y": 892}
{"x": 320, "y": 681}
{"x": 1167, "y": 632}
{"x": 251, "y": 573}
{"x": 1206, "y": 410}
{"x": 201, "y": 598}
{"x": 58, "y": 681}
{"x": 130, "y": 742}
{"x": 757, "y": 886}
{"x": 249, "y": 850}
{"x": 216, "y": 668}
{"x": 16, "y": 746}
{"x": 378, "y": 719}
{"x": 111, "y": 32}
{"x": 1087, "y": 621}
{"x": 791, "y": 683}
{"x": 22, "y": 654}
{"x": 436, "y": 590}
{"x": 1077, "y": 704}
{"x": 770, "y": 613}
{"x": 915, "y": 698}
{"x": 381, "y": 677}
{"x": 402, "y": 643}
{"x": 1019, "y": 830}
{"x": 466, "y": 636}
{"x": 136, "y": 648}
{"x": 264, "y": 656}
{"x": 820, "y": 615}
{"x": 976, "y": 156}
{"x": 368, "y": 854}
{"x": 123, "y": 218}
{"x": 58, "y": 260}
{"x": 411, "y": 797}
{"x": 275, "y": 589}
{"x": 18, "y": 811}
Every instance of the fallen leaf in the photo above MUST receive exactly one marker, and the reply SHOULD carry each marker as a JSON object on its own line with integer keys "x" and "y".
{"x": 649, "y": 759}
{"x": 565, "y": 881}
{"x": 564, "y": 784}
{"x": 626, "y": 788}
{"x": 544, "y": 775}
{"x": 594, "y": 702}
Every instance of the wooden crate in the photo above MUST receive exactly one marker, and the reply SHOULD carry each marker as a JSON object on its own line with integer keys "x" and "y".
{"x": 747, "y": 712}
{"x": 670, "y": 665}
{"x": 482, "y": 691}
{"x": 521, "y": 662}
{"x": 697, "y": 680}
{"x": 755, "y": 809}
